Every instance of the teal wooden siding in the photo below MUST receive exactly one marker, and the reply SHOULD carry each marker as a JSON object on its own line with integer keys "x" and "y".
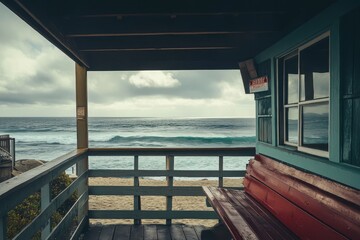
{"x": 342, "y": 19}
{"x": 350, "y": 85}
{"x": 263, "y": 102}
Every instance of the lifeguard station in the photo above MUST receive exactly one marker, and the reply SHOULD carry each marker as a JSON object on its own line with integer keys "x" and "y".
{"x": 300, "y": 59}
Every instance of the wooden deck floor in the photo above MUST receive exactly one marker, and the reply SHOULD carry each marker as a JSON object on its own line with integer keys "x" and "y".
{"x": 144, "y": 232}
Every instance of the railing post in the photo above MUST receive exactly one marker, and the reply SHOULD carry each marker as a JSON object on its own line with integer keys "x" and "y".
{"x": 3, "y": 226}
{"x": 170, "y": 183}
{"x": 221, "y": 169}
{"x": 137, "y": 199}
{"x": 45, "y": 201}
{"x": 82, "y": 134}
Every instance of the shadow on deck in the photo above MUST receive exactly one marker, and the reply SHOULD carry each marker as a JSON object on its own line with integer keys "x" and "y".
{"x": 144, "y": 232}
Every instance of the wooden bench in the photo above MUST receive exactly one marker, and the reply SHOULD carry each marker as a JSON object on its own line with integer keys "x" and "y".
{"x": 281, "y": 202}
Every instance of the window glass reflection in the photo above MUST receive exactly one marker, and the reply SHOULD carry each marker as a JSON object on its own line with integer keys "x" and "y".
{"x": 315, "y": 71}
{"x": 292, "y": 116}
{"x": 315, "y": 126}
{"x": 292, "y": 80}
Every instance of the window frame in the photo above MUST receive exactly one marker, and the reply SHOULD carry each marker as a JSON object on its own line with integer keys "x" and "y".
{"x": 282, "y": 100}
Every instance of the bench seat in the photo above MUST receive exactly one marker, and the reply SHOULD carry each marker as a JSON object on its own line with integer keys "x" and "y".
{"x": 245, "y": 217}
{"x": 279, "y": 199}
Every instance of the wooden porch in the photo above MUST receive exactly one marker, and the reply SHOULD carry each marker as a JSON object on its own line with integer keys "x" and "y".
{"x": 144, "y": 232}
{"x": 15, "y": 190}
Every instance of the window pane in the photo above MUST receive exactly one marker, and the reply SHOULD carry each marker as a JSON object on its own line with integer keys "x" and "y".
{"x": 291, "y": 79}
{"x": 316, "y": 126}
{"x": 264, "y": 106}
{"x": 292, "y": 121}
{"x": 315, "y": 71}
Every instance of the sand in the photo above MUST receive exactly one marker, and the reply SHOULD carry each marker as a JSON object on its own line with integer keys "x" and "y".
{"x": 153, "y": 202}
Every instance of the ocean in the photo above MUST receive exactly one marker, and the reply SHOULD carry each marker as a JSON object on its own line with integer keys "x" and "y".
{"x": 49, "y": 138}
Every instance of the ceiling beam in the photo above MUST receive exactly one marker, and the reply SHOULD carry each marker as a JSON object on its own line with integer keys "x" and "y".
{"x": 166, "y": 43}
{"x": 112, "y": 27}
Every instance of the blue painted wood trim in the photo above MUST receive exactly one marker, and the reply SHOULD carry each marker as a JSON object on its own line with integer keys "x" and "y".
{"x": 309, "y": 30}
{"x": 149, "y": 214}
{"x": 273, "y": 102}
{"x": 342, "y": 173}
{"x": 335, "y": 94}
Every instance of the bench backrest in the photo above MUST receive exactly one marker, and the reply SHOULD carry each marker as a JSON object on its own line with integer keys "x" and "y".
{"x": 311, "y": 206}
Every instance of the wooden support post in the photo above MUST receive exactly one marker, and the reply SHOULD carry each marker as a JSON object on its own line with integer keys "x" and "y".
{"x": 221, "y": 169}
{"x": 170, "y": 183}
{"x": 3, "y": 226}
{"x": 137, "y": 199}
{"x": 45, "y": 201}
{"x": 82, "y": 133}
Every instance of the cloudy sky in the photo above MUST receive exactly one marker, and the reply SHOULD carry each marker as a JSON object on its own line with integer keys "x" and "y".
{"x": 36, "y": 79}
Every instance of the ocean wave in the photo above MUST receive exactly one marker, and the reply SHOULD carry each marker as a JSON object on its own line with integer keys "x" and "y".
{"x": 37, "y": 143}
{"x": 183, "y": 140}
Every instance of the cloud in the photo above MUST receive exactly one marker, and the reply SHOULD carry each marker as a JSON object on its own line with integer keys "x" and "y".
{"x": 37, "y": 79}
{"x": 153, "y": 79}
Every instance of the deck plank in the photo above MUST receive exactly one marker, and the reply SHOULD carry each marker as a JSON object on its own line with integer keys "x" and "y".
{"x": 122, "y": 232}
{"x": 176, "y": 232}
{"x": 190, "y": 233}
{"x": 107, "y": 232}
{"x": 93, "y": 233}
{"x": 137, "y": 232}
{"x": 198, "y": 230}
{"x": 163, "y": 232}
{"x": 150, "y": 232}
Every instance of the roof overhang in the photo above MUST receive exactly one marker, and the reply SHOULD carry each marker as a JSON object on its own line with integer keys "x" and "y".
{"x": 164, "y": 35}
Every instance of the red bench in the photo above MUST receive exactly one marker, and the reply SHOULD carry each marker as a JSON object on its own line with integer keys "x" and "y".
{"x": 281, "y": 202}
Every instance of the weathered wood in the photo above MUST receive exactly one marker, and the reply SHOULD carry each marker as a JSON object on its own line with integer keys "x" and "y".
{"x": 147, "y": 190}
{"x": 198, "y": 230}
{"x": 3, "y": 226}
{"x": 163, "y": 232}
{"x": 107, "y": 232}
{"x": 221, "y": 169}
{"x": 67, "y": 220}
{"x": 137, "y": 232}
{"x": 150, "y": 232}
{"x": 81, "y": 107}
{"x": 147, "y": 214}
{"x": 170, "y": 182}
{"x": 137, "y": 198}
{"x": 165, "y": 173}
{"x": 177, "y": 232}
{"x": 190, "y": 233}
{"x": 93, "y": 233}
{"x": 122, "y": 232}
{"x": 15, "y": 190}
{"x": 44, "y": 203}
{"x": 240, "y": 151}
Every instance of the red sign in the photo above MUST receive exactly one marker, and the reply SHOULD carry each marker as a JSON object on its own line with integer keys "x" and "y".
{"x": 259, "y": 84}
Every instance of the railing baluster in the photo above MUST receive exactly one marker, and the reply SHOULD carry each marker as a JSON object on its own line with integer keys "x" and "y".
{"x": 81, "y": 167}
{"x": 170, "y": 183}
{"x": 137, "y": 199}
{"x": 3, "y": 226}
{"x": 45, "y": 201}
{"x": 221, "y": 169}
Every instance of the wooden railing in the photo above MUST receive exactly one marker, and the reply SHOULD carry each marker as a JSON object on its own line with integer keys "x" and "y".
{"x": 168, "y": 191}
{"x": 15, "y": 190}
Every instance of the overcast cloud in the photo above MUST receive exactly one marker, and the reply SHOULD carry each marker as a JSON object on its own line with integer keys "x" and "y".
{"x": 36, "y": 79}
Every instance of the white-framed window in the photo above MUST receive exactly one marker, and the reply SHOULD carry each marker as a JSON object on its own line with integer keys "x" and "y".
{"x": 304, "y": 87}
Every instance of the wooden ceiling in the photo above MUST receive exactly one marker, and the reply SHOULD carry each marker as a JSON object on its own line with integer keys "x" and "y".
{"x": 164, "y": 35}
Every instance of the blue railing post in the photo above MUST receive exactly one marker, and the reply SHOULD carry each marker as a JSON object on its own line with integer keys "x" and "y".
{"x": 3, "y": 226}
{"x": 137, "y": 199}
{"x": 221, "y": 169}
{"x": 170, "y": 183}
{"x": 45, "y": 201}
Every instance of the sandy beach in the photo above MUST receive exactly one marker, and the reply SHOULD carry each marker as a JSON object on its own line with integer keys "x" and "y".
{"x": 153, "y": 202}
